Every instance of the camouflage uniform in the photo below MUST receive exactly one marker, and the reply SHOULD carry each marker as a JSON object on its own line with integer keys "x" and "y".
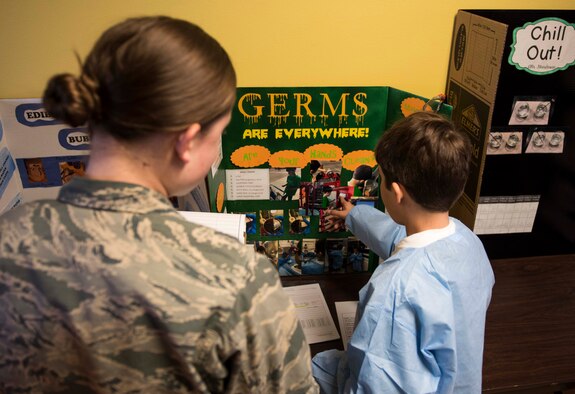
{"x": 108, "y": 289}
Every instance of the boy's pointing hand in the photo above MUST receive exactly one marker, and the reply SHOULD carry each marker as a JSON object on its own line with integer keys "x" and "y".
{"x": 342, "y": 213}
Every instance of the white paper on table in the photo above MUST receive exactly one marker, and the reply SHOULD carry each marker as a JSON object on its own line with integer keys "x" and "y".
{"x": 346, "y": 318}
{"x": 313, "y": 313}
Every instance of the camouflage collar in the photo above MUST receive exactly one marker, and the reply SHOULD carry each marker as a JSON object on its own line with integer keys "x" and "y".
{"x": 113, "y": 196}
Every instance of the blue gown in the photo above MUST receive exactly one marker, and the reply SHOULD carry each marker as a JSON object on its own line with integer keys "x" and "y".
{"x": 356, "y": 260}
{"x": 421, "y": 317}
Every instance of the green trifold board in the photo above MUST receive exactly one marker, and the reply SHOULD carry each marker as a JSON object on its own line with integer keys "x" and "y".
{"x": 276, "y": 138}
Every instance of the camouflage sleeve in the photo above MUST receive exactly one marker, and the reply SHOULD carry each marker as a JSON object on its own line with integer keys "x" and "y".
{"x": 262, "y": 342}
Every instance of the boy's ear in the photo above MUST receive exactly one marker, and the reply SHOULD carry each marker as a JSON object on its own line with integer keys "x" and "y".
{"x": 398, "y": 191}
{"x": 186, "y": 141}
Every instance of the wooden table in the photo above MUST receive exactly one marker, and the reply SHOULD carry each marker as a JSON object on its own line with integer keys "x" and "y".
{"x": 530, "y": 329}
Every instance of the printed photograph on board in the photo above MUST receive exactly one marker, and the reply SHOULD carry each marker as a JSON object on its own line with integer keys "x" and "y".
{"x": 299, "y": 223}
{"x": 268, "y": 249}
{"x": 312, "y": 257}
{"x": 69, "y": 169}
{"x": 336, "y": 250}
{"x": 358, "y": 256}
{"x": 365, "y": 181}
{"x": 251, "y": 223}
{"x": 271, "y": 222}
{"x": 284, "y": 183}
{"x": 288, "y": 258}
{"x": 319, "y": 193}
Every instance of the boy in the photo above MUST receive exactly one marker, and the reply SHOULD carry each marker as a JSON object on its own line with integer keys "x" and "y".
{"x": 421, "y": 316}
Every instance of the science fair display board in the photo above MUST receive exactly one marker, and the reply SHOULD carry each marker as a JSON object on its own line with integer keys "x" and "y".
{"x": 511, "y": 83}
{"x": 290, "y": 153}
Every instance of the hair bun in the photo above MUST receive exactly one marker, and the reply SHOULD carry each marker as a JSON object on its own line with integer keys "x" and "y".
{"x": 70, "y": 99}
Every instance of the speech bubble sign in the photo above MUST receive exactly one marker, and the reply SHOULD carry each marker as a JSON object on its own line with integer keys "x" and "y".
{"x": 320, "y": 152}
{"x": 354, "y": 159}
{"x": 287, "y": 158}
{"x": 543, "y": 47}
{"x": 250, "y": 156}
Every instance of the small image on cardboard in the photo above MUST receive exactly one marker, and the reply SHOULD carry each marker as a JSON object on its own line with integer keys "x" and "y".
{"x": 35, "y": 170}
{"x": 251, "y": 223}
{"x": 312, "y": 257}
{"x": 332, "y": 201}
{"x": 335, "y": 251}
{"x": 504, "y": 143}
{"x": 358, "y": 256}
{"x": 531, "y": 111}
{"x": 324, "y": 170}
{"x": 285, "y": 183}
{"x": 271, "y": 222}
{"x": 325, "y": 178}
{"x": 69, "y": 169}
{"x": 268, "y": 249}
{"x": 365, "y": 181}
{"x": 288, "y": 258}
{"x": 298, "y": 222}
{"x": 545, "y": 142}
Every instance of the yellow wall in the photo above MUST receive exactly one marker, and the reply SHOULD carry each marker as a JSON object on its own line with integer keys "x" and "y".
{"x": 399, "y": 43}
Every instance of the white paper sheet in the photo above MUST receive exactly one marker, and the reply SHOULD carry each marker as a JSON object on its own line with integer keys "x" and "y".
{"x": 313, "y": 313}
{"x": 249, "y": 184}
{"x": 506, "y": 214}
{"x": 346, "y": 319}
{"x": 233, "y": 224}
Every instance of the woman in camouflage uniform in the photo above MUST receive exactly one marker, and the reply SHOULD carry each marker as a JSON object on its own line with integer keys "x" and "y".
{"x": 107, "y": 288}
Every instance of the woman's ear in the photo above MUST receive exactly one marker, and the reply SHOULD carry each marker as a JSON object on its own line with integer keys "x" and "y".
{"x": 398, "y": 191}
{"x": 185, "y": 142}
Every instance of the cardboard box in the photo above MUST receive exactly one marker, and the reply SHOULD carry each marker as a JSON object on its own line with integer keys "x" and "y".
{"x": 510, "y": 83}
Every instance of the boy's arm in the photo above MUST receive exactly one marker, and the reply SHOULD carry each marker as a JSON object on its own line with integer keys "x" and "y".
{"x": 373, "y": 227}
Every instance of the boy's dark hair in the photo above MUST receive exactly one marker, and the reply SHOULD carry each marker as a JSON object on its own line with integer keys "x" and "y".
{"x": 426, "y": 154}
{"x": 362, "y": 173}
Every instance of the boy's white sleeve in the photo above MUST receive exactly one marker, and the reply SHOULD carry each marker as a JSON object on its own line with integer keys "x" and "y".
{"x": 375, "y": 229}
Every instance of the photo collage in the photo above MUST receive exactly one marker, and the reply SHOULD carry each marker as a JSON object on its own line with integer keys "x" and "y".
{"x": 316, "y": 243}
{"x": 315, "y": 256}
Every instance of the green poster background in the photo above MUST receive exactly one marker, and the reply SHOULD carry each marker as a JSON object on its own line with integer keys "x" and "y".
{"x": 285, "y": 118}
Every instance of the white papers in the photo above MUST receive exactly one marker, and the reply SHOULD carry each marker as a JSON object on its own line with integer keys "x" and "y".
{"x": 346, "y": 319}
{"x": 233, "y": 224}
{"x": 506, "y": 214}
{"x": 313, "y": 313}
{"x": 252, "y": 184}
